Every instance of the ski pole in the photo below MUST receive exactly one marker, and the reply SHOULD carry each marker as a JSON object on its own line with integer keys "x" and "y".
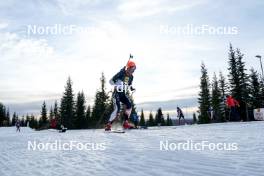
{"x": 130, "y": 57}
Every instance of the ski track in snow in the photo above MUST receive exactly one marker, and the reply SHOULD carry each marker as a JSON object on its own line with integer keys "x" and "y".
{"x": 137, "y": 152}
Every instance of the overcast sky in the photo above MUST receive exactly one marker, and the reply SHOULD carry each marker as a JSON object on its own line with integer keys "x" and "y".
{"x": 34, "y": 66}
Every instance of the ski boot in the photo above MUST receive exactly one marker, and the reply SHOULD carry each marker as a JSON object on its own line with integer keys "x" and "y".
{"x": 108, "y": 126}
{"x": 126, "y": 125}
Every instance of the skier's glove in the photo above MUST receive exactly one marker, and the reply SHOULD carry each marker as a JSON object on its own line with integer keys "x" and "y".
{"x": 132, "y": 89}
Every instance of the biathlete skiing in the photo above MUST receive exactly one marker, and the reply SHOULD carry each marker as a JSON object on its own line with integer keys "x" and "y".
{"x": 122, "y": 82}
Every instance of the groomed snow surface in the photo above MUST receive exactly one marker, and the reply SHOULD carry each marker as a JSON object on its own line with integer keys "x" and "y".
{"x": 136, "y": 152}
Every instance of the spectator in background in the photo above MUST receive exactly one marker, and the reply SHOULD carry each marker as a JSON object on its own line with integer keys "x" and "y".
{"x": 17, "y": 126}
{"x": 53, "y": 123}
{"x": 232, "y": 104}
{"x": 211, "y": 113}
{"x": 180, "y": 115}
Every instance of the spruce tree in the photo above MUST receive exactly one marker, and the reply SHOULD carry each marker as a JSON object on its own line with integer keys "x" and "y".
{"x": 238, "y": 78}
{"x": 223, "y": 85}
{"x": 243, "y": 77}
{"x": 168, "y": 120}
{"x": 243, "y": 87}
{"x": 233, "y": 74}
{"x": 13, "y": 121}
{"x": 88, "y": 117}
{"x": 142, "y": 121}
{"x": 23, "y": 121}
{"x": 163, "y": 122}
{"x": 171, "y": 123}
{"x": 159, "y": 119}
{"x": 32, "y": 122}
{"x": 2, "y": 114}
{"x": 100, "y": 113}
{"x": 262, "y": 93}
{"x": 216, "y": 99}
{"x": 8, "y": 122}
{"x": 255, "y": 90}
{"x": 67, "y": 106}
{"x": 204, "y": 96}
{"x": 27, "y": 120}
{"x": 151, "y": 121}
{"x": 223, "y": 90}
{"x": 56, "y": 113}
{"x": 43, "y": 117}
{"x": 35, "y": 122}
{"x": 194, "y": 118}
{"x": 51, "y": 114}
{"x": 80, "y": 119}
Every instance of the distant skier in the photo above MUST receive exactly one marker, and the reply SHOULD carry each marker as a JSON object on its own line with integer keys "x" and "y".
{"x": 180, "y": 115}
{"x": 122, "y": 81}
{"x": 17, "y": 126}
{"x": 232, "y": 104}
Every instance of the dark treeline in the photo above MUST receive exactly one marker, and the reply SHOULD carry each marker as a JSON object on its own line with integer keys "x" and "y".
{"x": 73, "y": 113}
{"x": 6, "y": 119}
{"x": 159, "y": 119}
{"x": 245, "y": 86}
{"x": 4, "y": 116}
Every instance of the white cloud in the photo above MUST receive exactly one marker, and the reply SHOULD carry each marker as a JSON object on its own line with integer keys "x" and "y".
{"x": 144, "y": 8}
{"x": 73, "y": 8}
{"x": 24, "y": 62}
{"x": 33, "y": 65}
{"x": 3, "y": 25}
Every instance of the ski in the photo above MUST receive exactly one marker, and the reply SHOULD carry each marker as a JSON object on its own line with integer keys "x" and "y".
{"x": 115, "y": 131}
{"x": 58, "y": 131}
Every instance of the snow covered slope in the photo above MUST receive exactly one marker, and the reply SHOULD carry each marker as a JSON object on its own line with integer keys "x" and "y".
{"x": 137, "y": 152}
